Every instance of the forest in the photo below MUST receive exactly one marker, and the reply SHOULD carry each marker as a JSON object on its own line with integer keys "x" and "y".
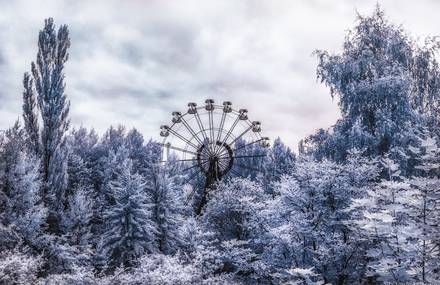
{"x": 358, "y": 203}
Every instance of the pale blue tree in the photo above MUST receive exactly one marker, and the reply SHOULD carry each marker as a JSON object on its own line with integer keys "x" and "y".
{"x": 168, "y": 209}
{"x": 129, "y": 230}
{"x": 48, "y": 77}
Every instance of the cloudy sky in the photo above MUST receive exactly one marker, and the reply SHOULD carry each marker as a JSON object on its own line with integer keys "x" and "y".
{"x": 134, "y": 62}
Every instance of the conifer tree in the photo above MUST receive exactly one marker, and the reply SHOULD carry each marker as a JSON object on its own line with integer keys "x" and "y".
{"x": 20, "y": 206}
{"x": 129, "y": 229}
{"x": 168, "y": 211}
{"x": 48, "y": 76}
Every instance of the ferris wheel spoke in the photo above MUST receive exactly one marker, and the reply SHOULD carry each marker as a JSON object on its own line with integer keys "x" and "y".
{"x": 193, "y": 133}
{"x": 211, "y": 130}
{"x": 183, "y": 138}
{"x": 191, "y": 167}
{"x": 248, "y": 144}
{"x": 222, "y": 153}
{"x": 201, "y": 127}
{"x": 177, "y": 148}
{"x": 222, "y": 164}
{"x": 191, "y": 177}
{"x": 228, "y": 134}
{"x": 242, "y": 134}
{"x": 181, "y": 160}
{"x": 191, "y": 195}
{"x": 219, "y": 132}
{"x": 243, "y": 156}
{"x": 220, "y": 129}
{"x": 200, "y": 124}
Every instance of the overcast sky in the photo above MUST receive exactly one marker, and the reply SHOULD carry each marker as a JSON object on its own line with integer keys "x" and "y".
{"x": 134, "y": 62}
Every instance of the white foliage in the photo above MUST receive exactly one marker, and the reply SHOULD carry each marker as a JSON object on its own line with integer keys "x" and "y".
{"x": 18, "y": 268}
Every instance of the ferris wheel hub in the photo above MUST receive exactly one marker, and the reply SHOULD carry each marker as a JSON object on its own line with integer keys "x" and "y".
{"x": 220, "y": 154}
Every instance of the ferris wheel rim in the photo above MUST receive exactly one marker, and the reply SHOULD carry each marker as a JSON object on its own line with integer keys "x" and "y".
{"x": 213, "y": 137}
{"x": 218, "y": 107}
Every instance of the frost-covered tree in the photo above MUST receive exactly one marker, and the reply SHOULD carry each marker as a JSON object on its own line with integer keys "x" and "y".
{"x": 30, "y": 115}
{"x": 400, "y": 218}
{"x": 280, "y": 161}
{"x": 114, "y": 138}
{"x": 18, "y": 268}
{"x": 309, "y": 218}
{"x": 60, "y": 256}
{"x": 230, "y": 211}
{"x": 21, "y": 208}
{"x": 422, "y": 208}
{"x": 231, "y": 217}
{"x": 129, "y": 231}
{"x": 362, "y": 208}
{"x": 80, "y": 275}
{"x": 24, "y": 210}
{"x": 253, "y": 168}
{"x": 425, "y": 72}
{"x": 384, "y": 83}
{"x": 77, "y": 219}
{"x": 48, "y": 77}
{"x": 79, "y": 174}
{"x": 83, "y": 142}
{"x": 82, "y": 159}
{"x": 107, "y": 167}
{"x": 158, "y": 269}
{"x": 168, "y": 209}
{"x": 134, "y": 141}
{"x": 378, "y": 220}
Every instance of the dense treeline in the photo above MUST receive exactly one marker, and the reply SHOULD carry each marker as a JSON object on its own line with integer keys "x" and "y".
{"x": 360, "y": 204}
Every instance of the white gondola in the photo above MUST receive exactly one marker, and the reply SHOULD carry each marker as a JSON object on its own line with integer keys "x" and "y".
{"x": 209, "y": 105}
{"x": 227, "y": 107}
{"x": 256, "y": 126}
{"x": 242, "y": 114}
{"x": 192, "y": 108}
{"x": 164, "y": 131}
{"x": 177, "y": 117}
{"x": 265, "y": 142}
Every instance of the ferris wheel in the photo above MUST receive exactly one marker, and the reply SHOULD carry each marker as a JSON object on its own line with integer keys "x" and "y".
{"x": 206, "y": 137}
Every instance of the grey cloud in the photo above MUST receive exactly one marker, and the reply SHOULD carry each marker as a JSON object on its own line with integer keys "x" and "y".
{"x": 134, "y": 62}
{"x": 2, "y": 59}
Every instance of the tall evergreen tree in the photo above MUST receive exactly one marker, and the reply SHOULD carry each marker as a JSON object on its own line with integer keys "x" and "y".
{"x": 20, "y": 206}
{"x": 48, "y": 76}
{"x": 129, "y": 229}
{"x": 280, "y": 161}
{"x": 168, "y": 209}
